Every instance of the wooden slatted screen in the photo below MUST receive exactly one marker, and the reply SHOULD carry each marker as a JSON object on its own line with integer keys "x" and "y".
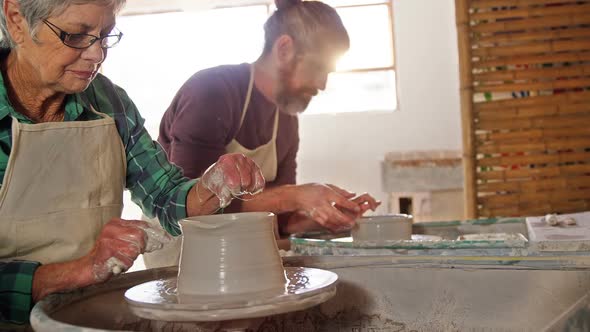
{"x": 525, "y": 99}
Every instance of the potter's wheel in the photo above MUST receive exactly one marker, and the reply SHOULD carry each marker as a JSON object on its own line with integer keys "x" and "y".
{"x": 159, "y": 300}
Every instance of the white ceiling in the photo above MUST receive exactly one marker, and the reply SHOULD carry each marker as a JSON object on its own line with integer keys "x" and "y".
{"x": 134, "y": 7}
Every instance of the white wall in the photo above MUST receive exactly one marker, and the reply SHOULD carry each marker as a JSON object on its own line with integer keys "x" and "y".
{"x": 346, "y": 149}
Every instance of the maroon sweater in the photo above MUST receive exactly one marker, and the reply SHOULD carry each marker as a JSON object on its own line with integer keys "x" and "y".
{"x": 204, "y": 117}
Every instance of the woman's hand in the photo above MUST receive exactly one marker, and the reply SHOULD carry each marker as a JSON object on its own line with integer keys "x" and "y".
{"x": 119, "y": 243}
{"x": 233, "y": 175}
{"x": 117, "y": 246}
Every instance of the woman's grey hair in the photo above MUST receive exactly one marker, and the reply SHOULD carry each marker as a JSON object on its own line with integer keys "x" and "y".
{"x": 35, "y": 11}
{"x": 311, "y": 24}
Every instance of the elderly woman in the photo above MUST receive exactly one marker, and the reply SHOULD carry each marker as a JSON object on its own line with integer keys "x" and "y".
{"x": 70, "y": 143}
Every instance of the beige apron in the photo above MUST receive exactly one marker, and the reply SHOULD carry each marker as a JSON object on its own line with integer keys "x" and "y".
{"x": 63, "y": 182}
{"x": 265, "y": 157}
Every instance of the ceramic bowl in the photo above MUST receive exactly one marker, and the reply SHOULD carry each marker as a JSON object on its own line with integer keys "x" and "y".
{"x": 228, "y": 254}
{"x": 383, "y": 228}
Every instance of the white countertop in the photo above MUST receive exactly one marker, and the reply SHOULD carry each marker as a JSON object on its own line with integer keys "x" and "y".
{"x": 560, "y": 238}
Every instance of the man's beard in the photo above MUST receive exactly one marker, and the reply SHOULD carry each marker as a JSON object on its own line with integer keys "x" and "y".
{"x": 291, "y": 101}
{"x": 291, "y": 104}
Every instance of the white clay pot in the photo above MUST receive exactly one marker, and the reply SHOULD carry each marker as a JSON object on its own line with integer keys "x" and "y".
{"x": 380, "y": 229}
{"x": 229, "y": 254}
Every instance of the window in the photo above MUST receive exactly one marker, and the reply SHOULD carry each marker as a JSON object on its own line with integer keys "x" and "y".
{"x": 365, "y": 76}
{"x": 159, "y": 52}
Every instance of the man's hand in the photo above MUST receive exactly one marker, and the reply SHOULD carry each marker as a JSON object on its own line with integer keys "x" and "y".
{"x": 365, "y": 202}
{"x": 323, "y": 204}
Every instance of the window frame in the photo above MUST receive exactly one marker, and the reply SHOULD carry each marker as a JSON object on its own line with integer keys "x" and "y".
{"x": 269, "y": 10}
{"x": 159, "y": 8}
{"x": 389, "y": 5}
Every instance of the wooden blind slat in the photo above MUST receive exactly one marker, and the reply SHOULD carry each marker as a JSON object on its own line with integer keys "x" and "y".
{"x": 533, "y": 135}
{"x": 541, "y": 159}
{"x": 533, "y": 23}
{"x": 536, "y": 111}
{"x": 557, "y": 99}
{"x": 533, "y": 60}
{"x": 483, "y": 4}
{"x": 532, "y": 73}
{"x": 562, "y": 144}
{"x": 527, "y": 36}
{"x": 536, "y": 197}
{"x": 546, "y": 122}
{"x": 530, "y": 185}
{"x": 537, "y": 172}
{"x": 527, "y": 12}
{"x": 582, "y": 83}
{"x": 532, "y": 48}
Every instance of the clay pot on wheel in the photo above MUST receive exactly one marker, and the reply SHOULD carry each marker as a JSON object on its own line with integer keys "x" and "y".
{"x": 228, "y": 254}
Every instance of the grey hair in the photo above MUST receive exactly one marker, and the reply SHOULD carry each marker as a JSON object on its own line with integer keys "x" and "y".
{"x": 35, "y": 11}
{"x": 311, "y": 24}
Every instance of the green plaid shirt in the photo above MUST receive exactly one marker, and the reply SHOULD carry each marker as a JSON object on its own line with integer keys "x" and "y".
{"x": 157, "y": 186}
{"x": 16, "y": 281}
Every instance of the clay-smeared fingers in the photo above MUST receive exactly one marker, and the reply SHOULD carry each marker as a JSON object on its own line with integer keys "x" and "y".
{"x": 342, "y": 219}
{"x": 112, "y": 255}
{"x": 244, "y": 172}
{"x": 128, "y": 230}
{"x": 341, "y": 191}
{"x": 125, "y": 251}
{"x": 232, "y": 176}
{"x": 341, "y": 201}
{"x": 118, "y": 245}
{"x": 321, "y": 218}
{"x": 230, "y": 172}
{"x": 257, "y": 181}
{"x": 365, "y": 198}
{"x": 332, "y": 219}
{"x": 156, "y": 237}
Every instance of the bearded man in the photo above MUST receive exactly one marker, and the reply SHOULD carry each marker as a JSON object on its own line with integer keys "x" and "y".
{"x": 252, "y": 109}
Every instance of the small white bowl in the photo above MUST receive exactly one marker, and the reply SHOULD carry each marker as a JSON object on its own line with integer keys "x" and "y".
{"x": 380, "y": 229}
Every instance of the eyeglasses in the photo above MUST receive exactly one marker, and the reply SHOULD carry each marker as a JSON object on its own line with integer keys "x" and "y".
{"x": 83, "y": 40}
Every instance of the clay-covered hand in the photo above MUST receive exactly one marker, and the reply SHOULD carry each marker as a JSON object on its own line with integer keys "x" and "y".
{"x": 323, "y": 204}
{"x": 233, "y": 175}
{"x": 118, "y": 245}
{"x": 365, "y": 202}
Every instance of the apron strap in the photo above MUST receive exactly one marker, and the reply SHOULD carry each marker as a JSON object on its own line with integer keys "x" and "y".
{"x": 116, "y": 105}
{"x": 276, "y": 125}
{"x": 247, "y": 102}
{"x": 92, "y": 109}
{"x": 248, "y": 94}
